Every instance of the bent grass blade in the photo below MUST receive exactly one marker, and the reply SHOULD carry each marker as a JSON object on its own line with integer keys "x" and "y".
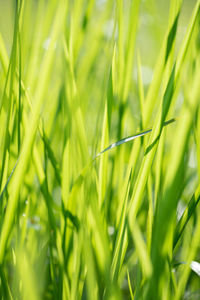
{"x": 132, "y": 137}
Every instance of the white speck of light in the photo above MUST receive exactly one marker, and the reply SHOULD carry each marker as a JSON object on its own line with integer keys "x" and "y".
{"x": 195, "y": 266}
{"x": 180, "y": 209}
{"x": 146, "y": 19}
{"x": 147, "y": 74}
{"x": 113, "y": 145}
{"x": 101, "y": 2}
{"x": 111, "y": 230}
{"x": 128, "y": 139}
{"x": 180, "y": 100}
{"x": 108, "y": 28}
{"x": 192, "y": 160}
{"x": 46, "y": 43}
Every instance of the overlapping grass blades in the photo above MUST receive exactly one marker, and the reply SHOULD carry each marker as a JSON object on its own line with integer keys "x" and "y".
{"x": 80, "y": 219}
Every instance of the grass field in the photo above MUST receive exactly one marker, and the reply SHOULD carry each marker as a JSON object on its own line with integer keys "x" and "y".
{"x": 78, "y": 222}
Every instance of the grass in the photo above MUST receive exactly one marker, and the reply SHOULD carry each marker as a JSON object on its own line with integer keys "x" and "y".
{"x": 80, "y": 219}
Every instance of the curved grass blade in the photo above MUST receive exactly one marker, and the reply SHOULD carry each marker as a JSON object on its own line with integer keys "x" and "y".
{"x": 132, "y": 137}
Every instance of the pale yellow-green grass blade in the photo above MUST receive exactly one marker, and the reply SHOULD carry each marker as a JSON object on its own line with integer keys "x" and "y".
{"x": 129, "y": 285}
{"x": 130, "y": 47}
{"x": 118, "y": 251}
{"x": 140, "y": 88}
{"x": 141, "y": 250}
{"x": 126, "y": 46}
{"x": 103, "y": 166}
{"x": 77, "y": 257}
{"x": 101, "y": 244}
{"x": 3, "y": 55}
{"x": 91, "y": 280}
{"x": 120, "y": 44}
